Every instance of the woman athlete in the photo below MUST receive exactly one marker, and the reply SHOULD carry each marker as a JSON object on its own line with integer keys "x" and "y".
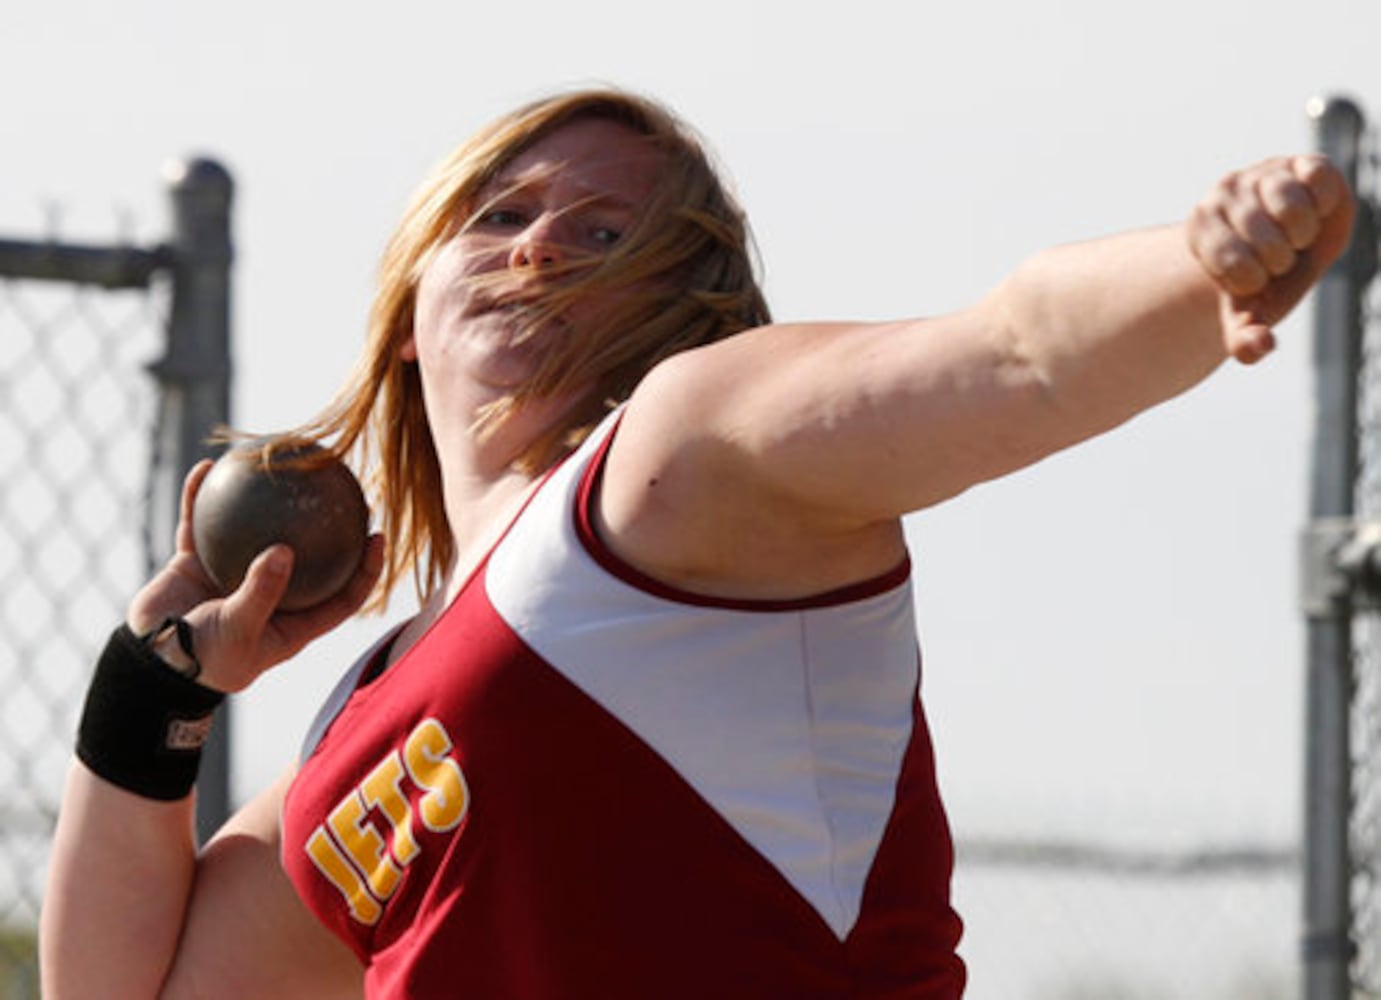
{"x": 654, "y": 729}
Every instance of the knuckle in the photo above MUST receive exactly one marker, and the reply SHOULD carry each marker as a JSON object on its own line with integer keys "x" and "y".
{"x": 1242, "y": 273}
{"x": 1281, "y": 260}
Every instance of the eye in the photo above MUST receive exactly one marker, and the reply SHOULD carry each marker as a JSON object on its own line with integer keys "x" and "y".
{"x": 606, "y": 236}
{"x": 504, "y": 218}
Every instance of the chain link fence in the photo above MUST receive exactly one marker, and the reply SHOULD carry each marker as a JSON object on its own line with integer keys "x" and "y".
{"x": 1364, "y": 837}
{"x": 113, "y": 369}
{"x": 1106, "y": 919}
{"x": 1342, "y": 597}
{"x": 1365, "y": 842}
{"x": 74, "y": 444}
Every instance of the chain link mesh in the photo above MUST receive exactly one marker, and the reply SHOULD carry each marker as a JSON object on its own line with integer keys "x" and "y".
{"x": 1099, "y": 924}
{"x": 1365, "y": 826}
{"x": 1365, "y": 833}
{"x": 76, "y": 415}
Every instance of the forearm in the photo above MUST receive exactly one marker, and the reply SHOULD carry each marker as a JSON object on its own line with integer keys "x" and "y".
{"x": 121, "y": 874}
{"x": 1106, "y": 329}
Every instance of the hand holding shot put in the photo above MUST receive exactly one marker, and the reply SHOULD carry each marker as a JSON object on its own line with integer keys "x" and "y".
{"x": 246, "y": 618}
{"x": 267, "y": 491}
{"x": 655, "y": 727}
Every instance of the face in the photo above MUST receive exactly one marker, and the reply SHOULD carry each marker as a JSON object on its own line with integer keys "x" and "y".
{"x": 568, "y": 198}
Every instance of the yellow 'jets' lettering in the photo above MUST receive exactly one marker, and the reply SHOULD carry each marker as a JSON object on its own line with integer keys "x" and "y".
{"x": 383, "y": 790}
{"x": 331, "y": 863}
{"x": 447, "y": 798}
{"x": 350, "y": 848}
{"x": 364, "y": 845}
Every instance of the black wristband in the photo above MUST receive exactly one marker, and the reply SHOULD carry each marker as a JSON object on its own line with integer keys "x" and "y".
{"x": 144, "y": 724}
{"x": 182, "y": 631}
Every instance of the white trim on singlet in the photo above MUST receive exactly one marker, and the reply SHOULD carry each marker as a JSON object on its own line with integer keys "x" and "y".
{"x": 792, "y": 724}
{"x": 340, "y": 694}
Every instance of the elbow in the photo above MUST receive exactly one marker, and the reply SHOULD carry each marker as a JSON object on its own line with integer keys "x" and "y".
{"x": 1020, "y": 321}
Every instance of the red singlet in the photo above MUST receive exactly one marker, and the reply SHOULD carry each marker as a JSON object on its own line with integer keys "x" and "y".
{"x": 582, "y": 783}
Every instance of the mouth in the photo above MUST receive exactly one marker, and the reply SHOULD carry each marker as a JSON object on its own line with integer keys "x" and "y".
{"x": 506, "y": 305}
{"x": 528, "y": 320}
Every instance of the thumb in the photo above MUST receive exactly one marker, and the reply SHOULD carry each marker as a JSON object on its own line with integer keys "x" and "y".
{"x": 1248, "y": 342}
{"x": 230, "y": 642}
{"x": 1248, "y": 321}
{"x": 256, "y": 598}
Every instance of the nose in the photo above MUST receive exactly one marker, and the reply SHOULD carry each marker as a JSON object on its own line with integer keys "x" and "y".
{"x": 537, "y": 246}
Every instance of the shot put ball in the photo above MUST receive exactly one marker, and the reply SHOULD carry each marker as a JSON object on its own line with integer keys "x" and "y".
{"x": 301, "y": 496}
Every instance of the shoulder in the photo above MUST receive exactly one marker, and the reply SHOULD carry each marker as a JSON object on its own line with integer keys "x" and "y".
{"x": 694, "y": 491}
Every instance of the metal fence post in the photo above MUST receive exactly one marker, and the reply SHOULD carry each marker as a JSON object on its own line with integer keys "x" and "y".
{"x": 1328, "y": 947}
{"x": 195, "y": 374}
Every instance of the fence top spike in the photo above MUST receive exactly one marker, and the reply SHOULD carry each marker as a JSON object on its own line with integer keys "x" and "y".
{"x": 197, "y": 172}
{"x": 1334, "y": 107}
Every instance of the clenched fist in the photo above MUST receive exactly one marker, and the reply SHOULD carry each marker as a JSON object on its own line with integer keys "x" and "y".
{"x": 1265, "y": 234}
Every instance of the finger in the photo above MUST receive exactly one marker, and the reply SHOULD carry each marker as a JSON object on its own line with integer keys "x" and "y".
{"x": 1223, "y": 253}
{"x": 190, "y": 485}
{"x": 361, "y": 585}
{"x": 253, "y": 602}
{"x": 1325, "y": 183}
{"x": 1292, "y": 206}
{"x": 345, "y": 602}
{"x": 1338, "y": 210}
{"x": 1264, "y": 240}
{"x": 1249, "y": 342}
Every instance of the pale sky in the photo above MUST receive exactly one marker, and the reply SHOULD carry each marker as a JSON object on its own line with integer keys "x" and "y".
{"x": 1112, "y": 643}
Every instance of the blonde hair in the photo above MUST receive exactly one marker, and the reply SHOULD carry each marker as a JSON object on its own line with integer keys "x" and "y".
{"x": 686, "y": 275}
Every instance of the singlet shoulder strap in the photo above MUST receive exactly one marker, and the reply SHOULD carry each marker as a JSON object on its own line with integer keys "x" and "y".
{"x": 368, "y": 666}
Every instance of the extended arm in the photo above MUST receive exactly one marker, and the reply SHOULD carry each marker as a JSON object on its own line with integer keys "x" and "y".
{"x": 800, "y": 446}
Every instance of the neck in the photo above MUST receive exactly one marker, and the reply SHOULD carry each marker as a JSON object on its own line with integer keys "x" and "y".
{"x": 479, "y": 512}
{"x": 482, "y": 487}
